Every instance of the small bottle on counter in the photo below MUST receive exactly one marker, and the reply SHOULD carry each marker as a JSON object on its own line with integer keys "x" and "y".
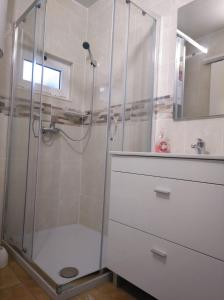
{"x": 163, "y": 145}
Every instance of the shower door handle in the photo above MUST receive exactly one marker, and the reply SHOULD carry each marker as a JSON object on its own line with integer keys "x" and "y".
{"x": 36, "y": 135}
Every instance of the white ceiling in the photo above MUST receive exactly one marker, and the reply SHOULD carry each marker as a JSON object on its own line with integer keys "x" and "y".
{"x": 86, "y": 3}
{"x": 201, "y": 17}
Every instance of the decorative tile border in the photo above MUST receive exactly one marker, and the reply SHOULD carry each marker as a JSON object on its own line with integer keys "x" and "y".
{"x": 4, "y": 106}
{"x": 163, "y": 107}
{"x": 135, "y": 111}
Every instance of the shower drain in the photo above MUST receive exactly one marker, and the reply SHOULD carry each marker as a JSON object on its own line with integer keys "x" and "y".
{"x": 69, "y": 272}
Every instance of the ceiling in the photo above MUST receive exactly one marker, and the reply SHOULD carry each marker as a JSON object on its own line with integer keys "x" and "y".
{"x": 86, "y": 3}
{"x": 201, "y": 17}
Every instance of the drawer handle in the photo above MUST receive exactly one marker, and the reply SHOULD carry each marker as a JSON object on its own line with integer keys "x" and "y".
{"x": 159, "y": 253}
{"x": 161, "y": 190}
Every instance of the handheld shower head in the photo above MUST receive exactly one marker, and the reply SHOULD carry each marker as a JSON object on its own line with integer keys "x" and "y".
{"x": 86, "y": 46}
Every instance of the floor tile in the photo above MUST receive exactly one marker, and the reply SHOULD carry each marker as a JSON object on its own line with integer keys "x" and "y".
{"x": 16, "y": 284}
{"x": 20, "y": 273}
{"x": 7, "y": 278}
{"x": 27, "y": 281}
{"x": 105, "y": 292}
{"x": 15, "y": 293}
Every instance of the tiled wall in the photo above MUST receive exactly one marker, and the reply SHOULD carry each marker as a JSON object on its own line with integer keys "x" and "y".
{"x": 62, "y": 165}
{"x": 133, "y": 44}
{"x": 59, "y": 164}
{"x": 59, "y": 174}
{"x": 94, "y": 156}
{"x": 167, "y": 12}
{"x": 65, "y": 176}
{"x": 66, "y": 23}
{"x": 138, "y": 93}
{"x": 182, "y": 134}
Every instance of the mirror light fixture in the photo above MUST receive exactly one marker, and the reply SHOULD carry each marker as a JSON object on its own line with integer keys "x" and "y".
{"x": 192, "y": 42}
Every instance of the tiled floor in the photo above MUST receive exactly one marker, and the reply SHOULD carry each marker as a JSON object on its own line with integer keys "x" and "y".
{"x": 16, "y": 284}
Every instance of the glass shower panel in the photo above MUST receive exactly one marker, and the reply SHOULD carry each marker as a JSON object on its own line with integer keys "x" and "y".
{"x": 34, "y": 128}
{"x": 138, "y": 101}
{"x": 23, "y": 146}
{"x": 19, "y": 135}
{"x": 71, "y": 174}
{"x": 119, "y": 70}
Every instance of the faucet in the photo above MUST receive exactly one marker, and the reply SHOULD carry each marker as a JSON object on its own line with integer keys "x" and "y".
{"x": 199, "y": 146}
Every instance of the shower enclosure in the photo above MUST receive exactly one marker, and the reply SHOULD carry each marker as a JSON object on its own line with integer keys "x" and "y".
{"x": 81, "y": 87}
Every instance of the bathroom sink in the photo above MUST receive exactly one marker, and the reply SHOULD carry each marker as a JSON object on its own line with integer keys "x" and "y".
{"x": 172, "y": 155}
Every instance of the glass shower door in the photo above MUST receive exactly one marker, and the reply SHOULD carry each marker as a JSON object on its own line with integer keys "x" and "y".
{"x": 136, "y": 37}
{"x": 139, "y": 86}
{"x": 24, "y": 126}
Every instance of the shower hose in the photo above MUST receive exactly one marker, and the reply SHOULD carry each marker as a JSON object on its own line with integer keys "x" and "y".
{"x": 88, "y": 131}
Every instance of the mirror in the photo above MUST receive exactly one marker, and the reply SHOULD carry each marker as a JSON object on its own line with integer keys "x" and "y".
{"x": 199, "y": 72}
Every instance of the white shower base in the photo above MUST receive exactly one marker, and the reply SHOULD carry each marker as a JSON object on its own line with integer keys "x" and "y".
{"x": 67, "y": 246}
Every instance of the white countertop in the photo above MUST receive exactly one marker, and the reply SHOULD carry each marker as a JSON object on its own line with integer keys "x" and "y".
{"x": 167, "y": 155}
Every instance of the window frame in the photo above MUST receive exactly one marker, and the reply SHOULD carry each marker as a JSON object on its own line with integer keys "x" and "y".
{"x": 55, "y": 63}
{"x": 43, "y": 68}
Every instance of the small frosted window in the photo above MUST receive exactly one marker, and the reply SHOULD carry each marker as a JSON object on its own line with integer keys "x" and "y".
{"x": 51, "y": 78}
{"x": 27, "y": 70}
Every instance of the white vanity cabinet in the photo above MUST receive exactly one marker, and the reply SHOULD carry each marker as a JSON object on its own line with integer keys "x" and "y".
{"x": 166, "y": 225}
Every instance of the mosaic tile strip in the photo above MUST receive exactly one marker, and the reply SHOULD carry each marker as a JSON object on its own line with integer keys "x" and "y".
{"x": 134, "y": 111}
{"x": 163, "y": 107}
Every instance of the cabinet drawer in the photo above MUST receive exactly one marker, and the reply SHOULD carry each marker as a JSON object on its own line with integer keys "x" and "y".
{"x": 184, "y": 212}
{"x": 162, "y": 269}
{"x": 211, "y": 171}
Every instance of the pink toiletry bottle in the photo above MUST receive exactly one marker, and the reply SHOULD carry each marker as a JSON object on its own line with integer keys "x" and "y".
{"x": 162, "y": 146}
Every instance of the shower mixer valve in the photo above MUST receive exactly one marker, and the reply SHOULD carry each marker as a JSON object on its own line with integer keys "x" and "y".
{"x": 52, "y": 129}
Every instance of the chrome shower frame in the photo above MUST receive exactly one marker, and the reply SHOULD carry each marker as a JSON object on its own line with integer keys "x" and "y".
{"x": 12, "y": 101}
{"x": 55, "y": 292}
{"x": 61, "y": 293}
